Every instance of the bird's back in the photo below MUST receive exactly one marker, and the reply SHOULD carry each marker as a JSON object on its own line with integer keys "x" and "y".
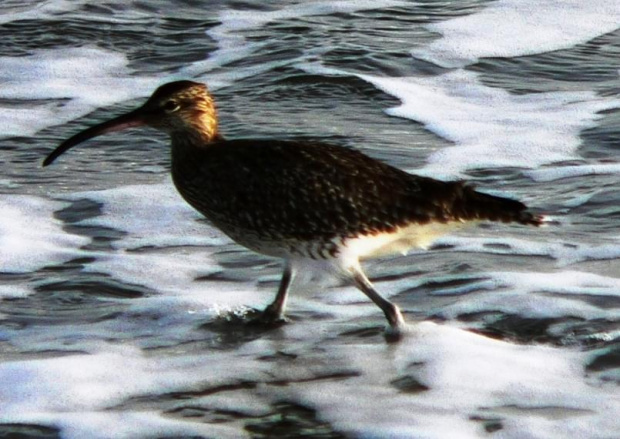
{"x": 286, "y": 192}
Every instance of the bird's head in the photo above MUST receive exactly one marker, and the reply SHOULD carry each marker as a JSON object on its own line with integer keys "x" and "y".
{"x": 181, "y": 109}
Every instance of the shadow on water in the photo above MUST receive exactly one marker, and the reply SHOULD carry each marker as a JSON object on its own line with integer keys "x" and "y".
{"x": 28, "y": 431}
{"x": 291, "y": 421}
{"x": 235, "y": 328}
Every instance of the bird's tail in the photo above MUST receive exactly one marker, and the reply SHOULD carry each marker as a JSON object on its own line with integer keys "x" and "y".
{"x": 474, "y": 205}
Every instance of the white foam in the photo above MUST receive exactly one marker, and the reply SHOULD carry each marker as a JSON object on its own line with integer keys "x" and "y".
{"x": 550, "y": 294}
{"x": 491, "y": 127}
{"x": 467, "y": 375}
{"x": 175, "y": 248}
{"x": 79, "y": 80}
{"x": 10, "y": 13}
{"x": 75, "y": 80}
{"x": 519, "y": 293}
{"x": 31, "y": 238}
{"x": 62, "y": 9}
{"x": 15, "y": 291}
{"x": 75, "y": 392}
{"x": 509, "y": 28}
{"x": 131, "y": 424}
{"x": 233, "y": 46}
{"x": 609, "y": 252}
{"x": 558, "y": 173}
{"x": 151, "y": 215}
{"x": 174, "y": 273}
{"x": 565, "y": 253}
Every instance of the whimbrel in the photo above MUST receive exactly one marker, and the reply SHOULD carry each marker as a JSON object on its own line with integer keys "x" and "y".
{"x": 303, "y": 199}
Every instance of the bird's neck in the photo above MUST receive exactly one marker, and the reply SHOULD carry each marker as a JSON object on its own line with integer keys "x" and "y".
{"x": 194, "y": 138}
{"x": 187, "y": 148}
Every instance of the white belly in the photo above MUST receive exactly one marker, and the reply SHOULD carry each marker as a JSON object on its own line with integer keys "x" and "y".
{"x": 400, "y": 241}
{"x": 352, "y": 249}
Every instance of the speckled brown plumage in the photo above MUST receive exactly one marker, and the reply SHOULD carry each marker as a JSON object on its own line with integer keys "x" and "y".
{"x": 302, "y": 199}
{"x": 311, "y": 191}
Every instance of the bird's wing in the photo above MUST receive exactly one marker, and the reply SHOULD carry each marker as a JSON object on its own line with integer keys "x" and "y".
{"x": 307, "y": 189}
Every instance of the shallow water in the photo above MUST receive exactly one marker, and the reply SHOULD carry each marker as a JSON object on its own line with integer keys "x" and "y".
{"x": 122, "y": 311}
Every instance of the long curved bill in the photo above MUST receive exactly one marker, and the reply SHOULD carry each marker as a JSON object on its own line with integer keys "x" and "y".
{"x": 132, "y": 119}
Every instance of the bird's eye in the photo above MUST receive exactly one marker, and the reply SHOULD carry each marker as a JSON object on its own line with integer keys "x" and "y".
{"x": 171, "y": 106}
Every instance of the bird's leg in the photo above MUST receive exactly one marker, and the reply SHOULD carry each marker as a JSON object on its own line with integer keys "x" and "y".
{"x": 274, "y": 313}
{"x": 391, "y": 311}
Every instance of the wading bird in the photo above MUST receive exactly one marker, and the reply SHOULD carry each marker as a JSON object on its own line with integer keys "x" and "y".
{"x": 300, "y": 200}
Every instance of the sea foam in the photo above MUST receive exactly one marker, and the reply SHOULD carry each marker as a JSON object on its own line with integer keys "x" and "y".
{"x": 509, "y": 28}
{"x": 491, "y": 127}
{"x": 165, "y": 246}
{"x": 233, "y": 46}
{"x": 53, "y": 391}
{"x": 72, "y": 81}
{"x": 151, "y": 215}
{"x": 560, "y": 172}
{"x": 439, "y": 380}
{"x": 31, "y": 238}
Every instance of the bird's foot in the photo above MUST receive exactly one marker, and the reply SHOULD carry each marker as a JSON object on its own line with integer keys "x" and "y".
{"x": 397, "y": 327}
{"x": 270, "y": 318}
{"x": 396, "y": 333}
